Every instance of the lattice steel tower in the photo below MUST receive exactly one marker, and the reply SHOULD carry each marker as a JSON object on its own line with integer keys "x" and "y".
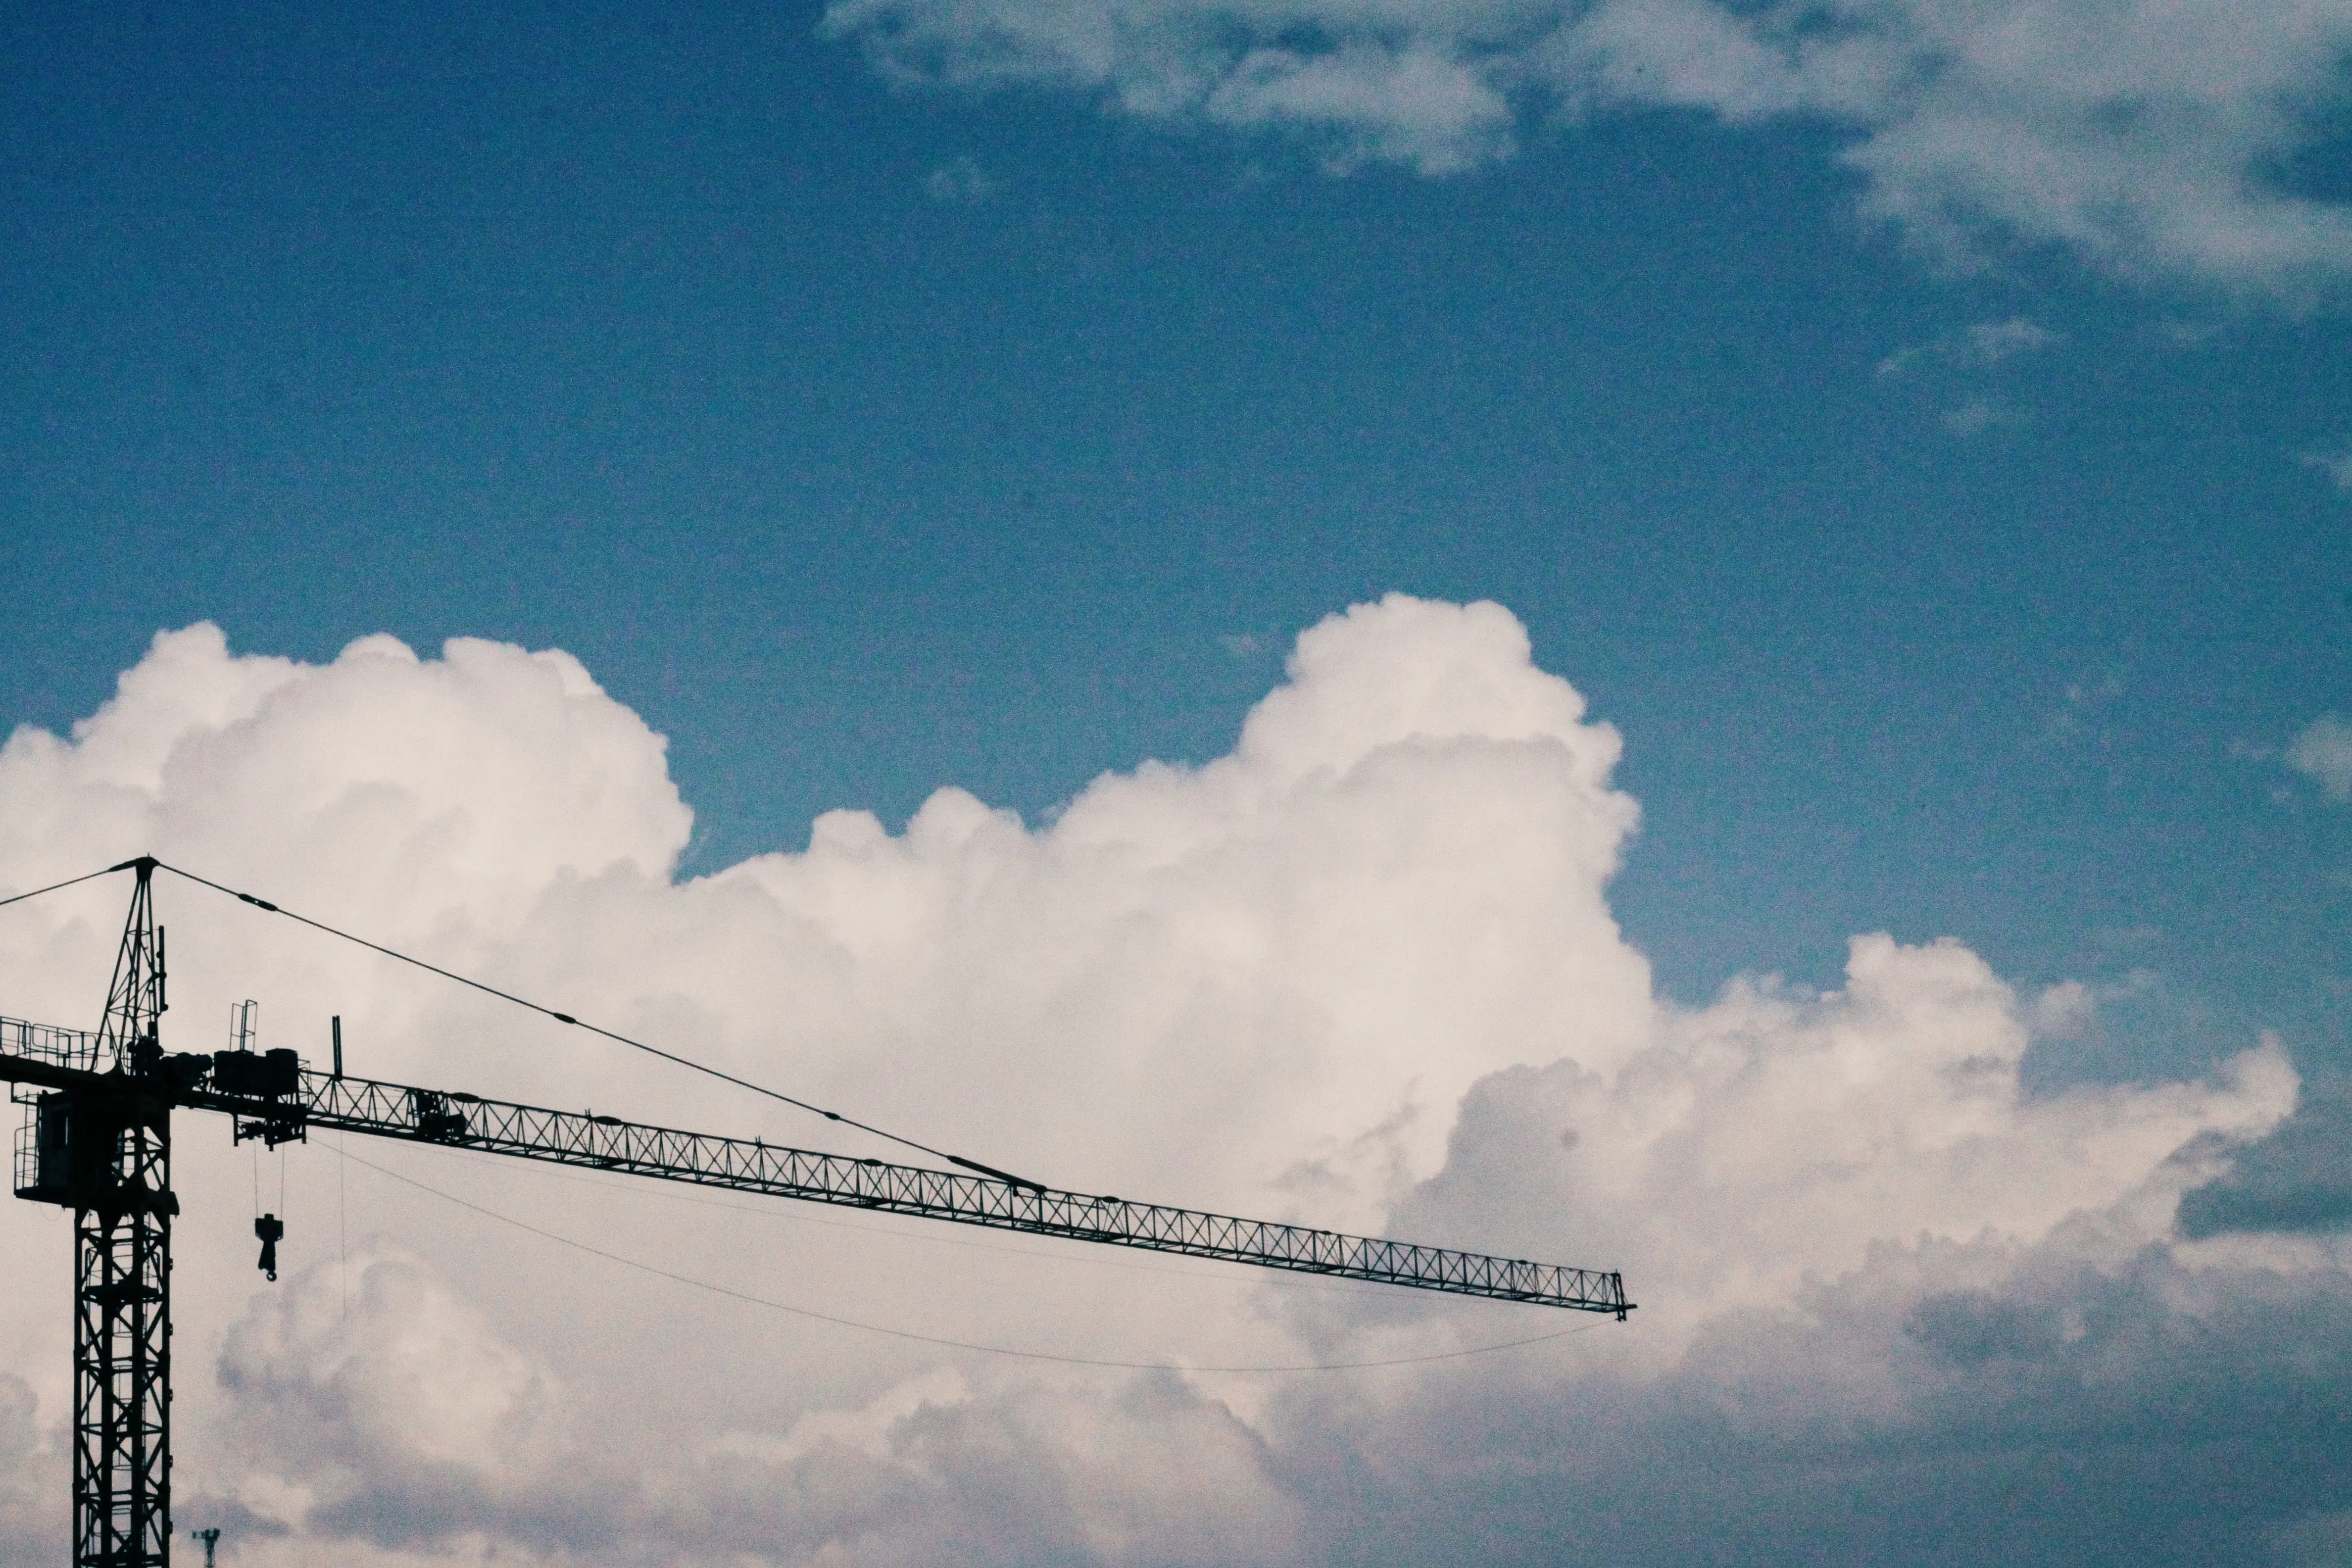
{"x": 103, "y": 1148}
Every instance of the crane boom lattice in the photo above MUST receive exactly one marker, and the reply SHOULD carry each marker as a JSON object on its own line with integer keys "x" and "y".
{"x": 749, "y": 1166}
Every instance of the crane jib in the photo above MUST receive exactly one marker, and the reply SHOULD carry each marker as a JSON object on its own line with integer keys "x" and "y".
{"x": 316, "y": 1099}
{"x": 361, "y": 1105}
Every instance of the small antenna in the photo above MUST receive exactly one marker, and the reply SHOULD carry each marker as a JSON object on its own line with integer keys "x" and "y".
{"x": 339, "y": 1045}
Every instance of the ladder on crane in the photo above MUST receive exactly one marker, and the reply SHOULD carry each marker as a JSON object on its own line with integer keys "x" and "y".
{"x": 98, "y": 1139}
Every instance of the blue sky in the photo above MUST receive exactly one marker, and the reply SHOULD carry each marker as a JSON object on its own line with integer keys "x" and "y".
{"x": 1930, "y": 446}
{"x": 869, "y": 436}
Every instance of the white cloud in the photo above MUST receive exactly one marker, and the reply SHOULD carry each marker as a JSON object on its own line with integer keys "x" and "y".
{"x": 378, "y": 1363}
{"x": 1980, "y": 346}
{"x": 2336, "y": 465}
{"x": 1361, "y": 971}
{"x": 1974, "y": 417}
{"x": 2324, "y": 753}
{"x": 1775, "y": 1138}
{"x": 959, "y": 182}
{"x": 1414, "y": 105}
{"x": 1989, "y": 342}
{"x": 2137, "y": 132}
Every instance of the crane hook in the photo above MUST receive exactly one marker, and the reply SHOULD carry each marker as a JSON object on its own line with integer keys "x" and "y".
{"x": 271, "y": 1230}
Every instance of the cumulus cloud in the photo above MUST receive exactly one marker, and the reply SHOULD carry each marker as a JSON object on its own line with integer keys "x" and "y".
{"x": 1360, "y": 971}
{"x": 2323, "y": 752}
{"x": 365, "y": 1451}
{"x": 2145, "y": 134}
{"x": 2294, "y": 1182}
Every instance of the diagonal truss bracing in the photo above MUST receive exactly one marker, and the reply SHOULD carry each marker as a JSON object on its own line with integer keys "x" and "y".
{"x": 607, "y": 1143}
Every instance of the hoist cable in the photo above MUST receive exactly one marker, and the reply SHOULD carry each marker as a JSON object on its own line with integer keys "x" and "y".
{"x": 934, "y": 1235}
{"x": 266, "y": 906}
{"x": 938, "y": 1339}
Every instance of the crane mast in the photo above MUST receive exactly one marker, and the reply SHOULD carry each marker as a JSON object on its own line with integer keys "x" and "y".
{"x": 103, "y": 1148}
{"x": 98, "y": 1139}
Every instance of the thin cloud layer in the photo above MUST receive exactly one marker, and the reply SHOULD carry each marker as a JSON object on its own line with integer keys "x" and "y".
{"x": 2323, "y": 752}
{"x": 2151, "y": 137}
{"x": 1361, "y": 971}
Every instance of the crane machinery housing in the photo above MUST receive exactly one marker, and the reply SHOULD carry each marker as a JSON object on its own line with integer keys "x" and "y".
{"x": 98, "y": 1139}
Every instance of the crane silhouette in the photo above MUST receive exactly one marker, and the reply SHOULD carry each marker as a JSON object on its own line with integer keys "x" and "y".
{"x": 98, "y": 1139}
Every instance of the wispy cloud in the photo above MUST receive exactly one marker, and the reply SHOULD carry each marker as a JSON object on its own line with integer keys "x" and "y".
{"x": 2337, "y": 465}
{"x": 2140, "y": 134}
{"x": 2183, "y": 333}
{"x": 961, "y": 182}
{"x": 1978, "y": 346}
{"x": 2080, "y": 712}
{"x": 1974, "y": 417}
{"x": 2323, "y": 752}
{"x": 1989, "y": 342}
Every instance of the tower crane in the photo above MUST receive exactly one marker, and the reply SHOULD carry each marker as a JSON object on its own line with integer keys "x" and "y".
{"x": 98, "y": 1139}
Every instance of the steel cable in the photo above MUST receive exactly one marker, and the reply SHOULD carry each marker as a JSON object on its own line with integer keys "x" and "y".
{"x": 935, "y": 1339}
{"x": 53, "y": 887}
{"x": 265, "y": 905}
